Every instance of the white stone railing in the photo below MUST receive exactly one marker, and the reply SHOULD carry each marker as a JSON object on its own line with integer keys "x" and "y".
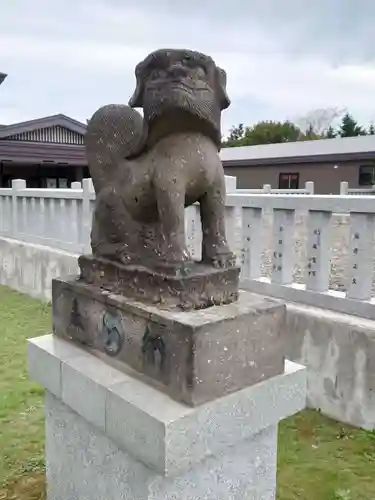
{"x": 357, "y": 299}
{"x": 346, "y": 190}
{"x": 61, "y": 218}
{"x": 267, "y": 189}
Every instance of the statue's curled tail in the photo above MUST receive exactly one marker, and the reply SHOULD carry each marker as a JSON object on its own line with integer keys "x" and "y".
{"x": 115, "y": 132}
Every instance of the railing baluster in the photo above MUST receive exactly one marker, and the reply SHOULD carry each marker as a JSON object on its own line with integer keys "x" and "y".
{"x": 344, "y": 188}
{"x": 252, "y": 228}
{"x": 193, "y": 231}
{"x": 238, "y": 235}
{"x": 51, "y": 217}
{"x": 17, "y": 186}
{"x": 309, "y": 187}
{"x": 74, "y": 228}
{"x": 8, "y": 219}
{"x": 361, "y": 256}
{"x": 34, "y": 220}
{"x": 2, "y": 199}
{"x": 198, "y": 233}
{"x": 189, "y": 230}
{"x": 62, "y": 216}
{"x": 230, "y": 229}
{"x": 86, "y": 215}
{"x": 230, "y": 183}
{"x": 24, "y": 214}
{"x": 283, "y": 247}
{"x": 42, "y": 218}
{"x": 318, "y": 251}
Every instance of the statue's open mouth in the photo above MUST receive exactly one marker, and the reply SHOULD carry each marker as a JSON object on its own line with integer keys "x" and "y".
{"x": 181, "y": 86}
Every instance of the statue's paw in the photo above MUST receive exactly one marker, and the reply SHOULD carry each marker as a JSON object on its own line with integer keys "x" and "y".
{"x": 218, "y": 255}
{"x": 180, "y": 266}
{"x": 223, "y": 260}
{"x": 127, "y": 258}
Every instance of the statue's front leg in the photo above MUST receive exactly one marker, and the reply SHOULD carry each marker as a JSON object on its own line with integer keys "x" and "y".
{"x": 215, "y": 249}
{"x": 171, "y": 207}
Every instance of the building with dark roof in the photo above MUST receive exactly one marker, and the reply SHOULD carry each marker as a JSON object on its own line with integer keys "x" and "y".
{"x": 46, "y": 152}
{"x": 49, "y": 152}
{"x": 326, "y": 162}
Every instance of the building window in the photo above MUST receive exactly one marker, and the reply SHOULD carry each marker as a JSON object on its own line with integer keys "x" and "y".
{"x": 289, "y": 181}
{"x": 51, "y": 183}
{"x": 366, "y": 175}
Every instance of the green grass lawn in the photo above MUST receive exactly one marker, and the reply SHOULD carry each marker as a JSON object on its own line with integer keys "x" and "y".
{"x": 319, "y": 459}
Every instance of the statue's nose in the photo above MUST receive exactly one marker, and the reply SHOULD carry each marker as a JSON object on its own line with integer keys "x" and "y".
{"x": 177, "y": 71}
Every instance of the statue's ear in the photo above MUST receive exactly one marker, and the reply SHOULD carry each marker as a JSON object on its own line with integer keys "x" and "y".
{"x": 136, "y": 100}
{"x": 221, "y": 88}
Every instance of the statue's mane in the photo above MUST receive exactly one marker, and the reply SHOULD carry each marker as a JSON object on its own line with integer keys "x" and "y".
{"x": 162, "y": 58}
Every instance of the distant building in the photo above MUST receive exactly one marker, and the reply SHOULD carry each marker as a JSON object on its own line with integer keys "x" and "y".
{"x": 46, "y": 152}
{"x": 289, "y": 165}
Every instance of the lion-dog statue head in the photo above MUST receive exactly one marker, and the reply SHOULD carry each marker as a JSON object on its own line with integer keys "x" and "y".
{"x": 180, "y": 90}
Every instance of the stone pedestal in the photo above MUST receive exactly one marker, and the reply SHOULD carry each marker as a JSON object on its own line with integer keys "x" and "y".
{"x": 193, "y": 286}
{"x": 111, "y": 435}
{"x": 195, "y": 356}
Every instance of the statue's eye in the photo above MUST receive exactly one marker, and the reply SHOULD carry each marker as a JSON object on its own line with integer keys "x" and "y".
{"x": 200, "y": 72}
{"x": 157, "y": 74}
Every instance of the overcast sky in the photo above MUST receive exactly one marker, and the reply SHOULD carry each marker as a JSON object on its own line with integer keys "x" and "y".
{"x": 283, "y": 58}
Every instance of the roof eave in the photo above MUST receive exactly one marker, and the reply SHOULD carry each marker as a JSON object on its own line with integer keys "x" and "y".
{"x": 31, "y": 153}
{"x": 62, "y": 120}
{"x": 368, "y": 155}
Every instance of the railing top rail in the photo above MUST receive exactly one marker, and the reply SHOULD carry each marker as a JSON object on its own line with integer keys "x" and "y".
{"x": 316, "y": 202}
{"x": 49, "y": 193}
{"x": 273, "y": 191}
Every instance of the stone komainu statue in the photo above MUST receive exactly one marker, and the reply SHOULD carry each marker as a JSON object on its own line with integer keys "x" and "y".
{"x": 147, "y": 170}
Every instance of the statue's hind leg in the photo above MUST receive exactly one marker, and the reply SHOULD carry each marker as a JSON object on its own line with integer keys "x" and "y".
{"x": 115, "y": 235}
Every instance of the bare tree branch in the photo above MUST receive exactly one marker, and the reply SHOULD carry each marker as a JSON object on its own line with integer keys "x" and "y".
{"x": 317, "y": 121}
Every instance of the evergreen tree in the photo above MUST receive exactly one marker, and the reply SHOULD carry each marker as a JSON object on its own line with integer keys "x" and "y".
{"x": 330, "y": 133}
{"x": 371, "y": 129}
{"x": 349, "y": 127}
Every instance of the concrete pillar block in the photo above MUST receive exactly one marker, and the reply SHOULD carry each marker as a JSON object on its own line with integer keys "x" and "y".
{"x": 109, "y": 434}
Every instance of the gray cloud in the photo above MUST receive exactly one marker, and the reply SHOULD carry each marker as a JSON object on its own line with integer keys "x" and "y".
{"x": 282, "y": 58}
{"x": 339, "y": 30}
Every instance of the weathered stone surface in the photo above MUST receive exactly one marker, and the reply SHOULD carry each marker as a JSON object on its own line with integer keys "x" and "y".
{"x": 339, "y": 353}
{"x": 167, "y": 436}
{"x": 196, "y": 356}
{"x": 193, "y": 286}
{"x": 147, "y": 170}
{"x": 83, "y": 463}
